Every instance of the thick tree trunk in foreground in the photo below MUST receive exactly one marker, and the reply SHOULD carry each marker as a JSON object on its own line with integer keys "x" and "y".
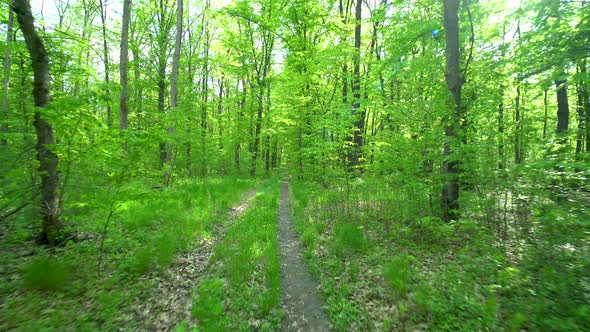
{"x": 124, "y": 59}
{"x": 48, "y": 160}
{"x": 450, "y": 167}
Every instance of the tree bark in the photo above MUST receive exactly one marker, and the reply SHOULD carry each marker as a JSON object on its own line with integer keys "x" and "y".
{"x": 174, "y": 87}
{"x": 6, "y": 83}
{"x": 450, "y": 167}
{"x": 105, "y": 53}
{"x": 48, "y": 160}
{"x": 176, "y": 57}
{"x": 581, "y": 130}
{"x": 359, "y": 115}
{"x": 205, "y": 98}
{"x": 563, "y": 112}
{"x": 586, "y": 96}
{"x": 124, "y": 59}
{"x": 164, "y": 27}
{"x": 518, "y": 126}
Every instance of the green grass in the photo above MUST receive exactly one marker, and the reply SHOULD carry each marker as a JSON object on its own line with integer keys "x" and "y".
{"x": 247, "y": 270}
{"x": 61, "y": 289}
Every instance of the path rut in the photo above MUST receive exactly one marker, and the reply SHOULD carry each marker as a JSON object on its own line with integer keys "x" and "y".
{"x": 301, "y": 304}
{"x": 170, "y": 301}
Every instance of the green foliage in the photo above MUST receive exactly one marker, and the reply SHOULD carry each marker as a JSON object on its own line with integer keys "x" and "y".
{"x": 142, "y": 261}
{"x": 45, "y": 273}
{"x": 398, "y": 275}
{"x": 517, "y": 259}
{"x": 349, "y": 238}
{"x": 208, "y": 305}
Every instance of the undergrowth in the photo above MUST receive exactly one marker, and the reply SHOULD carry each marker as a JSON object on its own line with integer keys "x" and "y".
{"x": 73, "y": 288}
{"x": 386, "y": 264}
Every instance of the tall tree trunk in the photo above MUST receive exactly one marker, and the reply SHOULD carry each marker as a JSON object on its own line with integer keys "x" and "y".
{"x": 176, "y": 57}
{"x": 267, "y": 154}
{"x": 174, "y": 87}
{"x": 161, "y": 98}
{"x": 501, "y": 147}
{"x": 105, "y": 53}
{"x": 205, "y": 99}
{"x": 239, "y": 120}
{"x": 163, "y": 31}
{"x": 580, "y": 87}
{"x": 124, "y": 59}
{"x": 220, "y": 111}
{"x": 358, "y": 114}
{"x": 450, "y": 167}
{"x": 517, "y": 130}
{"x": 48, "y": 160}
{"x": 586, "y": 96}
{"x": 563, "y": 112}
{"x": 501, "y": 110}
{"x": 6, "y": 82}
{"x": 257, "y": 130}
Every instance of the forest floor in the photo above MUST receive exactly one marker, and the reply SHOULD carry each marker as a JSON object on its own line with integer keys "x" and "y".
{"x": 171, "y": 300}
{"x": 301, "y": 305}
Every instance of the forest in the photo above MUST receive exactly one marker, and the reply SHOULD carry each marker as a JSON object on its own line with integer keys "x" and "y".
{"x": 295, "y": 165}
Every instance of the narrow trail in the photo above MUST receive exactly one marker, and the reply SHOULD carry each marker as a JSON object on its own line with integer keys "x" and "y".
{"x": 300, "y": 302}
{"x": 170, "y": 301}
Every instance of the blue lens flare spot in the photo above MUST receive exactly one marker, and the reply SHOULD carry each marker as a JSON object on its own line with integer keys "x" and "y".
{"x": 435, "y": 33}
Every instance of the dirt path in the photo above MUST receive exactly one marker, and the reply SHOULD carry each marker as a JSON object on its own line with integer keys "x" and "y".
{"x": 300, "y": 302}
{"x": 170, "y": 301}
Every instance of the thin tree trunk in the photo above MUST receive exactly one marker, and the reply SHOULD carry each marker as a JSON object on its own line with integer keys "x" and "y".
{"x": 205, "y": 101}
{"x": 176, "y": 57}
{"x": 450, "y": 167}
{"x": 124, "y": 59}
{"x": 580, "y": 87}
{"x": 501, "y": 144}
{"x": 501, "y": 147}
{"x": 517, "y": 131}
{"x": 239, "y": 120}
{"x": 6, "y": 83}
{"x": 105, "y": 52}
{"x": 48, "y": 160}
{"x": 257, "y": 130}
{"x": 586, "y": 96}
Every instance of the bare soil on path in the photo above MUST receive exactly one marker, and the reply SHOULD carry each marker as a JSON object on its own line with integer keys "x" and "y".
{"x": 300, "y": 302}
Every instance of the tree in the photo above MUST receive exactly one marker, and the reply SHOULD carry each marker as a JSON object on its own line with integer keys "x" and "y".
{"x": 174, "y": 84}
{"x": 124, "y": 59}
{"x": 5, "y": 91}
{"x": 357, "y": 113}
{"x": 48, "y": 160}
{"x": 450, "y": 168}
{"x": 105, "y": 53}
